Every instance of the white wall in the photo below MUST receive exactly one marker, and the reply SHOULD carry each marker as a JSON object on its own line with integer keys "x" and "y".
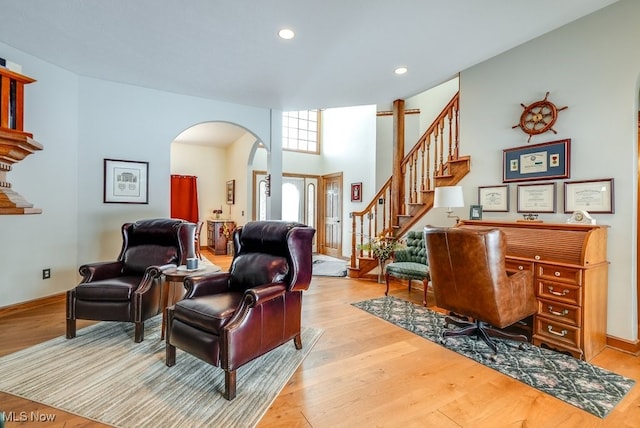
{"x": 133, "y": 123}
{"x": 349, "y": 138}
{"x": 237, "y": 162}
{"x": 80, "y": 122}
{"x": 592, "y": 67}
{"x": 48, "y": 179}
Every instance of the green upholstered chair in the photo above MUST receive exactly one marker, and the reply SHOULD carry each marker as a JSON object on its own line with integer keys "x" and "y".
{"x": 410, "y": 263}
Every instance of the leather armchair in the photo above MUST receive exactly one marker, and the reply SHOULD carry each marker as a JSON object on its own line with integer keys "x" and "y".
{"x": 130, "y": 288}
{"x": 228, "y": 319}
{"x": 469, "y": 278}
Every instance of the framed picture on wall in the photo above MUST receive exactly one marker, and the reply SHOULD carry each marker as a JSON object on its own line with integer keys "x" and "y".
{"x": 126, "y": 182}
{"x": 494, "y": 198}
{"x": 537, "y": 198}
{"x": 593, "y": 196}
{"x": 231, "y": 192}
{"x": 537, "y": 162}
{"x": 356, "y": 192}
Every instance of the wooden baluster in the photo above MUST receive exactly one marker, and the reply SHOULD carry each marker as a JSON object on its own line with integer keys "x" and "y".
{"x": 449, "y": 117}
{"x": 441, "y": 135}
{"x": 375, "y": 217}
{"x": 457, "y": 129}
{"x": 371, "y": 233}
{"x": 414, "y": 179}
{"x": 416, "y": 175}
{"x": 436, "y": 146}
{"x": 352, "y": 260}
{"x": 429, "y": 164}
{"x": 409, "y": 185}
{"x": 422, "y": 169}
{"x": 4, "y": 101}
{"x": 361, "y": 234}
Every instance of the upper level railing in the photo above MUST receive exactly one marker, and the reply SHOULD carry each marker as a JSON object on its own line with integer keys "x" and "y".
{"x": 426, "y": 160}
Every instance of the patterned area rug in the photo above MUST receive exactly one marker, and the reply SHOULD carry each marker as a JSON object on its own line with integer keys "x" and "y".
{"x": 576, "y": 382}
{"x": 324, "y": 265}
{"x": 103, "y": 375}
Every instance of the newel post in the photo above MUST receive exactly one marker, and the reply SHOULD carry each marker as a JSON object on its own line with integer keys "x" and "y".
{"x": 397, "y": 179}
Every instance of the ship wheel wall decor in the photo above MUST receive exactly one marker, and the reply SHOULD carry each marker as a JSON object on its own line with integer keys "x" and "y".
{"x": 538, "y": 117}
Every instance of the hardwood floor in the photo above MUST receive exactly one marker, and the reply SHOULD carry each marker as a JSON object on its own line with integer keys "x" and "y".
{"x": 366, "y": 372}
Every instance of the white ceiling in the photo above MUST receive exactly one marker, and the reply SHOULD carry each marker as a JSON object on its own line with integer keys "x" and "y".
{"x": 344, "y": 52}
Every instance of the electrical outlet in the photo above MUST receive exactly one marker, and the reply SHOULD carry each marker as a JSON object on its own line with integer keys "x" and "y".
{"x": 46, "y": 273}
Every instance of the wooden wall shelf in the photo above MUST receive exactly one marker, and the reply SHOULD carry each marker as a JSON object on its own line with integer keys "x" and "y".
{"x": 15, "y": 143}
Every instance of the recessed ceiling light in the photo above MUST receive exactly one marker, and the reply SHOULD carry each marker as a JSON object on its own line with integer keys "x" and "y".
{"x": 286, "y": 34}
{"x": 400, "y": 70}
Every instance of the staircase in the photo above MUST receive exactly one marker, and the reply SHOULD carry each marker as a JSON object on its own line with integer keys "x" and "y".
{"x": 434, "y": 161}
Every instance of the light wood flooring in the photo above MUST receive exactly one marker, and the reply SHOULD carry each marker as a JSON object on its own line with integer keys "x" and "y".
{"x": 365, "y": 372}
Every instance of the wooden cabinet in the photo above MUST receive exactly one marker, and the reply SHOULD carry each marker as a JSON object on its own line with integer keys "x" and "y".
{"x": 216, "y": 241}
{"x": 570, "y": 268}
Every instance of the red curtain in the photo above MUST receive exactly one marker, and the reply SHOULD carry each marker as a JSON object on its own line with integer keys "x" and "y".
{"x": 184, "y": 197}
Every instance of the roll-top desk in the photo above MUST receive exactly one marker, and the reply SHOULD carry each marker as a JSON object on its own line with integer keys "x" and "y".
{"x": 570, "y": 271}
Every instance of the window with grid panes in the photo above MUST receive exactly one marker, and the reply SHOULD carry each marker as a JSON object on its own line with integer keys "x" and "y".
{"x": 301, "y": 131}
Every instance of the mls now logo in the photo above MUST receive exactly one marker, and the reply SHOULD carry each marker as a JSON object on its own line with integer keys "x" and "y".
{"x": 25, "y": 417}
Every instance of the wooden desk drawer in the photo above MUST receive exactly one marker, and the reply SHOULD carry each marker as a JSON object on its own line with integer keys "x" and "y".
{"x": 557, "y": 332}
{"x": 561, "y": 312}
{"x": 560, "y": 273}
{"x": 559, "y": 292}
{"x": 514, "y": 266}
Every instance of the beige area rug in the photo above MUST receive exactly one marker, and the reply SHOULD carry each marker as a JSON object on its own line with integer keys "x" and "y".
{"x": 103, "y": 375}
{"x": 324, "y": 265}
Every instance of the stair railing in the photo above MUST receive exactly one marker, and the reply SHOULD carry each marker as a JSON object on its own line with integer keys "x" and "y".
{"x": 429, "y": 158}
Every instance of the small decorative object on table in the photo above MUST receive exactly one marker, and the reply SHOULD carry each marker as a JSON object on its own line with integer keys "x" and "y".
{"x": 217, "y": 212}
{"x": 226, "y": 230}
{"x": 475, "y": 212}
{"x": 382, "y": 247}
{"x": 530, "y": 218}
{"x": 581, "y": 217}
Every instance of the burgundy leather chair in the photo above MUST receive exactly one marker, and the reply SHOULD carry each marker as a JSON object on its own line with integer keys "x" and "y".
{"x": 228, "y": 319}
{"x": 469, "y": 278}
{"x": 130, "y": 288}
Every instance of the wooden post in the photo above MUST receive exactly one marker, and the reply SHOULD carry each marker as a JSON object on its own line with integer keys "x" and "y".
{"x": 397, "y": 180}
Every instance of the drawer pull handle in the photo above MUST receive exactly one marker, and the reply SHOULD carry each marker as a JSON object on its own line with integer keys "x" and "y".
{"x": 556, "y": 313}
{"x": 537, "y": 257}
{"x": 520, "y": 267}
{"x": 556, "y": 273}
{"x": 555, "y": 293}
{"x": 563, "y": 333}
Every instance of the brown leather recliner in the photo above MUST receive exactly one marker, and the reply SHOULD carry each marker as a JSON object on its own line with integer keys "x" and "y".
{"x": 228, "y": 319}
{"x": 469, "y": 278}
{"x": 130, "y": 288}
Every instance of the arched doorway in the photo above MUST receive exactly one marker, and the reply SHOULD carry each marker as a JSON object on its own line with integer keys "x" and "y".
{"x": 217, "y": 153}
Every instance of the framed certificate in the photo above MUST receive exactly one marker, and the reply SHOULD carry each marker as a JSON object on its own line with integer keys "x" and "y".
{"x": 537, "y": 198}
{"x": 494, "y": 198}
{"x": 537, "y": 162}
{"x": 593, "y": 196}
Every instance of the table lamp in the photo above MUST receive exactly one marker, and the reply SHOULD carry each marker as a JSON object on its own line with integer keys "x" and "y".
{"x": 449, "y": 197}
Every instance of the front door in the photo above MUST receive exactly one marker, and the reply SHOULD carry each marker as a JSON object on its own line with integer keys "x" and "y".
{"x": 331, "y": 239}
